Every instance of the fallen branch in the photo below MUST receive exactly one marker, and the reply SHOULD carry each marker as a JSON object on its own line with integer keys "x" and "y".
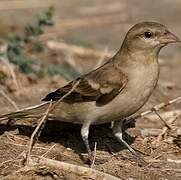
{"x": 80, "y": 171}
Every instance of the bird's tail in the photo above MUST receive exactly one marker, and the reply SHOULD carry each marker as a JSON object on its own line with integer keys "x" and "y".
{"x": 31, "y": 112}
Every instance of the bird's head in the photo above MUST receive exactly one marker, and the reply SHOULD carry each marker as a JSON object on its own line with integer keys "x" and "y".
{"x": 149, "y": 37}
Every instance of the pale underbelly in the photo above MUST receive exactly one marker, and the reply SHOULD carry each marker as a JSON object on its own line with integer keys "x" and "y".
{"x": 124, "y": 105}
{"x": 129, "y": 101}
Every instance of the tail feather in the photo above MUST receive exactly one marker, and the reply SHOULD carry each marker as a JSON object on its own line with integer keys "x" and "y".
{"x": 30, "y": 112}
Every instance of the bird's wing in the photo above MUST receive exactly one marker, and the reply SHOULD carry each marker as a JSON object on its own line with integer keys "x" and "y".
{"x": 101, "y": 85}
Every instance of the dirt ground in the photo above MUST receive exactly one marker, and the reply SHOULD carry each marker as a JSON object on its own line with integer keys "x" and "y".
{"x": 97, "y": 29}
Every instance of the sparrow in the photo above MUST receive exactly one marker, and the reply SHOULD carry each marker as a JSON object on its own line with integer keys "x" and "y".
{"x": 115, "y": 90}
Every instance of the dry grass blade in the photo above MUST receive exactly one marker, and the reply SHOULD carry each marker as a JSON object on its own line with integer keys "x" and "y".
{"x": 165, "y": 123}
{"x": 43, "y": 155}
{"x": 94, "y": 157}
{"x": 43, "y": 119}
{"x": 35, "y": 132}
{"x": 163, "y": 133}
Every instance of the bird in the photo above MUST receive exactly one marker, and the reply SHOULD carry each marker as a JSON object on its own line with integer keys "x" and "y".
{"x": 115, "y": 90}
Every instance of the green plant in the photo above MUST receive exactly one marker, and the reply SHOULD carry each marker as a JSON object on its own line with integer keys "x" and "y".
{"x": 17, "y": 45}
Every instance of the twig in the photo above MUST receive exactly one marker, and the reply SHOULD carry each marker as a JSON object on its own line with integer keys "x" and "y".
{"x": 155, "y": 159}
{"x": 178, "y": 161}
{"x": 35, "y": 132}
{"x": 94, "y": 157}
{"x": 165, "y": 123}
{"x": 80, "y": 171}
{"x": 164, "y": 131}
{"x": 165, "y": 114}
{"x": 43, "y": 155}
{"x": 39, "y": 126}
{"x": 9, "y": 99}
{"x": 68, "y": 93}
{"x": 153, "y": 109}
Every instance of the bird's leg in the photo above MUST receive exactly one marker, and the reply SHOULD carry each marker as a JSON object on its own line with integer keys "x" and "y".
{"x": 85, "y": 134}
{"x": 118, "y": 133}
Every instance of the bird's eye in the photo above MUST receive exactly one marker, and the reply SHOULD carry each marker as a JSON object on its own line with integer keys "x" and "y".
{"x": 148, "y": 34}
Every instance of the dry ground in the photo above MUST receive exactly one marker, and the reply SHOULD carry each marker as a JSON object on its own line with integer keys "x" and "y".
{"x": 99, "y": 25}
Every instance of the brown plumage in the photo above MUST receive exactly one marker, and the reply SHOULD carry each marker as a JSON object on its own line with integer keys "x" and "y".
{"x": 115, "y": 90}
{"x": 100, "y": 86}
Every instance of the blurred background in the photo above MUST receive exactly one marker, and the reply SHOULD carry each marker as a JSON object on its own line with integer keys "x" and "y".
{"x": 45, "y": 44}
{"x": 49, "y": 43}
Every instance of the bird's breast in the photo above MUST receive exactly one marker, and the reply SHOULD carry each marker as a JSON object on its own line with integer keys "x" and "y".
{"x": 141, "y": 83}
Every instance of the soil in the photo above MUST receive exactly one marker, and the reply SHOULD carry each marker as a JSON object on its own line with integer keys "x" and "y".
{"x": 163, "y": 160}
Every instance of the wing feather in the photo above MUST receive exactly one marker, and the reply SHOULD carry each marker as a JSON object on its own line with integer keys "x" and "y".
{"x": 101, "y": 85}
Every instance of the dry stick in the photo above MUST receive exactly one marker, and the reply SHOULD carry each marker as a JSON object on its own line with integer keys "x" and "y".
{"x": 9, "y": 99}
{"x": 35, "y": 132}
{"x": 43, "y": 155}
{"x": 165, "y": 123}
{"x": 94, "y": 157}
{"x": 50, "y": 108}
{"x": 164, "y": 130}
{"x": 80, "y": 171}
{"x": 155, "y": 108}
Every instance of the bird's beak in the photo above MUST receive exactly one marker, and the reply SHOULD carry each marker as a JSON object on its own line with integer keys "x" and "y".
{"x": 168, "y": 38}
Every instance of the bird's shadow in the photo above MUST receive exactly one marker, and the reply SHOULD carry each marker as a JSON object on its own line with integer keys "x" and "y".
{"x": 68, "y": 135}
